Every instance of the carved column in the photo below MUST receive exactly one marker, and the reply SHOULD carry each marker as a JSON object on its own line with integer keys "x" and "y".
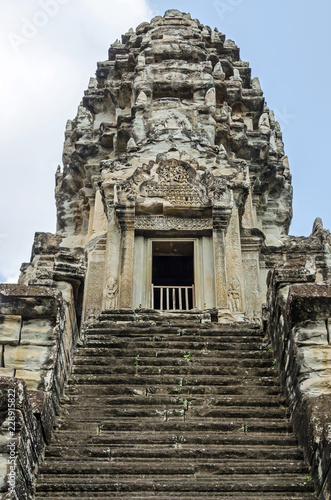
{"x": 113, "y": 257}
{"x": 111, "y": 279}
{"x": 234, "y": 268}
{"x": 126, "y": 218}
{"x": 93, "y": 296}
{"x": 220, "y": 222}
{"x": 250, "y": 246}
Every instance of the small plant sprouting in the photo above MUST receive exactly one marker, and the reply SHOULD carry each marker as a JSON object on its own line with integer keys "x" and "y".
{"x": 176, "y": 389}
{"x": 179, "y": 439}
{"x": 244, "y": 428}
{"x": 308, "y": 478}
{"x": 184, "y": 402}
{"x": 187, "y": 357}
{"x": 136, "y": 360}
{"x": 273, "y": 364}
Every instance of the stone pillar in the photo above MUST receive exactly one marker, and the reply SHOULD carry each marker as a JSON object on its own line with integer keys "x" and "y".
{"x": 94, "y": 279}
{"x": 234, "y": 269}
{"x": 220, "y": 222}
{"x": 126, "y": 218}
{"x": 91, "y": 218}
{"x": 99, "y": 216}
{"x": 111, "y": 277}
{"x": 111, "y": 283}
{"x": 250, "y": 247}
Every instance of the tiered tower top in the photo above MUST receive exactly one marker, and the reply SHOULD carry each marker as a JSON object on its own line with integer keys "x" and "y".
{"x": 174, "y": 91}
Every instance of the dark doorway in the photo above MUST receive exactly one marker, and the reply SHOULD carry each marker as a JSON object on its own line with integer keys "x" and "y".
{"x": 173, "y": 275}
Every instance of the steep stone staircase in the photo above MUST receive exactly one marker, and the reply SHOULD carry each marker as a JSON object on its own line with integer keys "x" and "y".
{"x": 173, "y": 409}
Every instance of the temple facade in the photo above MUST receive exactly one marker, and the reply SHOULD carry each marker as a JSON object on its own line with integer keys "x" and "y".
{"x": 174, "y": 177}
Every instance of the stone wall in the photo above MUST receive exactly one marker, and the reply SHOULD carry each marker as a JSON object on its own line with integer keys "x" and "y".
{"x": 298, "y": 324}
{"x": 38, "y": 331}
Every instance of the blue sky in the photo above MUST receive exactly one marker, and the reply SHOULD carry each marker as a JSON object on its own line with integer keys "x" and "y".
{"x": 287, "y": 44}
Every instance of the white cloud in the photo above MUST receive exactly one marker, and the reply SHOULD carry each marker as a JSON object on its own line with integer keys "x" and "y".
{"x": 47, "y": 57}
{"x": 122, "y": 15}
{"x": 12, "y": 279}
{"x": 38, "y": 93}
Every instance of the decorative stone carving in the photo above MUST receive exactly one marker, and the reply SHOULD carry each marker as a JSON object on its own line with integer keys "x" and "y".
{"x": 234, "y": 295}
{"x": 91, "y": 314}
{"x": 111, "y": 293}
{"x": 176, "y": 185}
{"x": 160, "y": 223}
{"x": 126, "y": 267}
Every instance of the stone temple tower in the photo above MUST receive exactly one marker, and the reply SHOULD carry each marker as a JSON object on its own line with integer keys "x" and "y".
{"x": 174, "y": 177}
{"x": 173, "y": 211}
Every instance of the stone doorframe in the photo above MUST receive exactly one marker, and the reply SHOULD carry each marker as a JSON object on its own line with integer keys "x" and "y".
{"x": 203, "y": 270}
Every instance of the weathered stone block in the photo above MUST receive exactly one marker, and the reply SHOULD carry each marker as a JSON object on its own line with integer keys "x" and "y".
{"x": 309, "y": 302}
{"x": 26, "y": 357}
{"x": 29, "y": 301}
{"x": 37, "y": 332}
{"x": 32, "y": 378}
{"x": 10, "y": 329}
{"x": 7, "y": 372}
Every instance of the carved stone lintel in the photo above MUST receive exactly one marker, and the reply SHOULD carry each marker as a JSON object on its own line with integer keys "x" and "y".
{"x": 161, "y": 223}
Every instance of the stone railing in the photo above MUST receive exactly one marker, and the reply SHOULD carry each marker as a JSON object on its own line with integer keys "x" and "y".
{"x": 297, "y": 321}
{"x": 38, "y": 332}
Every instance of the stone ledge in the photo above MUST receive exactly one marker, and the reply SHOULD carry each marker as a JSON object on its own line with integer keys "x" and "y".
{"x": 27, "y": 291}
{"x": 28, "y": 438}
{"x": 309, "y": 302}
{"x": 39, "y": 354}
{"x": 297, "y": 325}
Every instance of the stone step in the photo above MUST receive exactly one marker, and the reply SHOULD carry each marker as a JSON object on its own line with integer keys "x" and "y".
{"x": 226, "y": 483}
{"x": 148, "y": 329}
{"x": 159, "y": 379}
{"x": 176, "y": 424}
{"x": 150, "y": 315}
{"x": 181, "y": 336}
{"x": 149, "y": 351}
{"x": 162, "y": 359}
{"x": 155, "y": 412}
{"x": 180, "y": 344}
{"x": 188, "y": 319}
{"x": 190, "y": 368}
{"x": 161, "y": 412}
{"x": 175, "y": 496}
{"x": 177, "y": 388}
{"x": 177, "y": 451}
{"x": 88, "y": 444}
{"x": 191, "y": 365}
{"x": 147, "y": 400}
{"x": 201, "y": 496}
{"x": 173, "y": 467}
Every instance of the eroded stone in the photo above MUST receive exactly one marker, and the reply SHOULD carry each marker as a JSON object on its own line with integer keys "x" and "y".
{"x": 10, "y": 329}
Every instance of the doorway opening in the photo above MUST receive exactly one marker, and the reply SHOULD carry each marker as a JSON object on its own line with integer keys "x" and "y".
{"x": 173, "y": 275}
